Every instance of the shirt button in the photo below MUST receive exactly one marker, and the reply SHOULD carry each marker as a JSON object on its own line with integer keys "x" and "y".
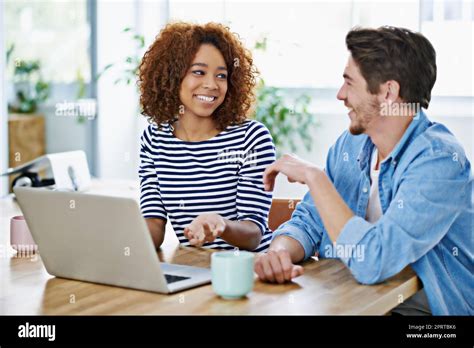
{"x": 364, "y": 190}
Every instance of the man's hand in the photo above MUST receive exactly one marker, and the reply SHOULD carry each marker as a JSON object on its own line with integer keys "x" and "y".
{"x": 276, "y": 266}
{"x": 294, "y": 168}
{"x": 204, "y": 229}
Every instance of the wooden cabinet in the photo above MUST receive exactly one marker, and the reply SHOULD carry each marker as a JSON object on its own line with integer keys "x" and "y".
{"x": 26, "y": 139}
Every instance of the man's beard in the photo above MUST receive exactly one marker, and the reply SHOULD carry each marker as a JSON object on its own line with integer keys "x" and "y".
{"x": 357, "y": 128}
{"x": 363, "y": 116}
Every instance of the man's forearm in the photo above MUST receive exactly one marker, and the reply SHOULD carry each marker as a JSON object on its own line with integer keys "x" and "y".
{"x": 294, "y": 247}
{"x": 332, "y": 209}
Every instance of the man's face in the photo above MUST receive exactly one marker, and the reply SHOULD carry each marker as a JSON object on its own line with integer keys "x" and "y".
{"x": 363, "y": 107}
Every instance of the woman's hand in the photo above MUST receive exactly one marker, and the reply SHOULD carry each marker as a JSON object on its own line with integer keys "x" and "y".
{"x": 205, "y": 229}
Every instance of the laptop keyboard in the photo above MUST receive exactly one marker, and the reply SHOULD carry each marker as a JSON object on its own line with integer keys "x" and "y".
{"x": 174, "y": 278}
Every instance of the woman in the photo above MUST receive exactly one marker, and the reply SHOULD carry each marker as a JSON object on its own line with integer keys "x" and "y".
{"x": 202, "y": 160}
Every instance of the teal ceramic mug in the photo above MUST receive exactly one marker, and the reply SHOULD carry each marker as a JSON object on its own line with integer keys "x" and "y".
{"x": 232, "y": 273}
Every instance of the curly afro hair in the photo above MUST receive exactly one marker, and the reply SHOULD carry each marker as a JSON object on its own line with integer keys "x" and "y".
{"x": 168, "y": 59}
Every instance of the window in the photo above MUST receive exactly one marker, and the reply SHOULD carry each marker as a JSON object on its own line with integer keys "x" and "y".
{"x": 54, "y": 32}
{"x": 449, "y": 26}
{"x": 305, "y": 40}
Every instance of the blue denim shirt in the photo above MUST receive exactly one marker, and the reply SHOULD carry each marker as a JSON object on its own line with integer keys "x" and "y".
{"x": 426, "y": 194}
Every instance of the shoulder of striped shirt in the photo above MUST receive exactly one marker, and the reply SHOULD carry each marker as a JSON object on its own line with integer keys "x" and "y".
{"x": 249, "y": 124}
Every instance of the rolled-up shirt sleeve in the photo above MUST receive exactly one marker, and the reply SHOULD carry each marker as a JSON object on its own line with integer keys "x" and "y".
{"x": 432, "y": 194}
{"x": 305, "y": 226}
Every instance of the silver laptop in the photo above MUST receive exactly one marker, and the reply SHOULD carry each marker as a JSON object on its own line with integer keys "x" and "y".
{"x": 100, "y": 239}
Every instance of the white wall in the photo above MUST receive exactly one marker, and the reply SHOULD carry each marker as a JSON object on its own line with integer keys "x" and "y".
{"x": 116, "y": 103}
{"x": 3, "y": 110}
{"x": 119, "y": 122}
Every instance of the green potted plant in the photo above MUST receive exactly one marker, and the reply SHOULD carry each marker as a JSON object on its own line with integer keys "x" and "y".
{"x": 127, "y": 69}
{"x": 84, "y": 108}
{"x": 129, "y": 66}
{"x": 287, "y": 119}
{"x": 29, "y": 87}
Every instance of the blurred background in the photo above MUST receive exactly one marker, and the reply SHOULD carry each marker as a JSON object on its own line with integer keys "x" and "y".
{"x": 68, "y": 78}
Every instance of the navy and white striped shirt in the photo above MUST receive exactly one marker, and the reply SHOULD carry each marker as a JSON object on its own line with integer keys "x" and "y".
{"x": 181, "y": 180}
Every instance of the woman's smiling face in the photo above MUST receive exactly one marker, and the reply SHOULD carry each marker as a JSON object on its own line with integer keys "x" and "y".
{"x": 204, "y": 86}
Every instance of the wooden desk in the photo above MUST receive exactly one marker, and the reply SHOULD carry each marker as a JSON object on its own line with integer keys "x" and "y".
{"x": 326, "y": 288}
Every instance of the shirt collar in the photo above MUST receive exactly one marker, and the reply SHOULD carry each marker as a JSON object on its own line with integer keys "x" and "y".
{"x": 419, "y": 123}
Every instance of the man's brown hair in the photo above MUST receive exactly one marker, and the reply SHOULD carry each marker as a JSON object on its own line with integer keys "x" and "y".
{"x": 390, "y": 53}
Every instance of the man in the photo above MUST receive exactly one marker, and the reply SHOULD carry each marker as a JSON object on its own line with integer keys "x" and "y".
{"x": 397, "y": 188}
